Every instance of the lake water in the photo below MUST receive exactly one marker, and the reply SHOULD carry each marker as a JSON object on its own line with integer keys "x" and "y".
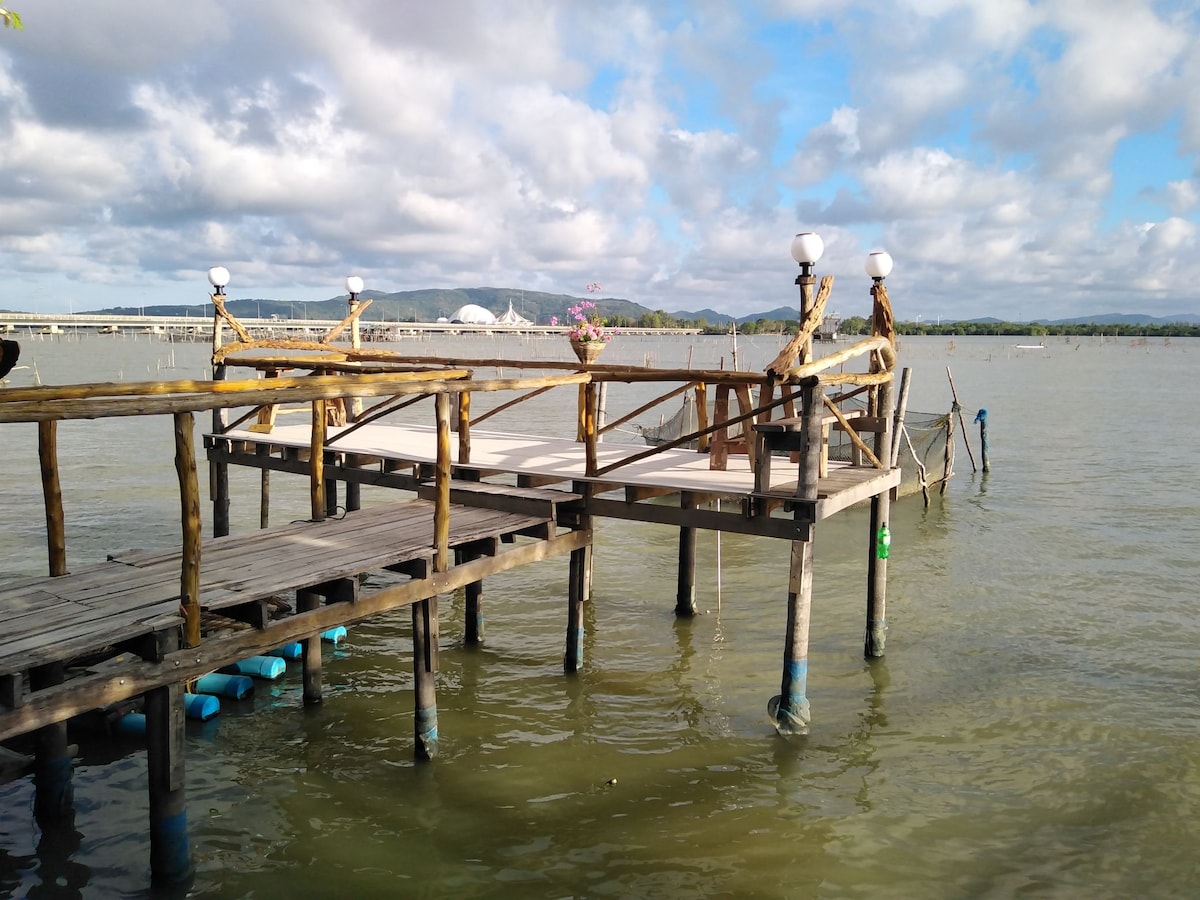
{"x": 1032, "y": 731}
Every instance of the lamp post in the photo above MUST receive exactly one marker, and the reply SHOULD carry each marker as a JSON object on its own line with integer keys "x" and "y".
{"x": 879, "y": 266}
{"x": 354, "y": 286}
{"x": 218, "y": 277}
{"x": 807, "y": 248}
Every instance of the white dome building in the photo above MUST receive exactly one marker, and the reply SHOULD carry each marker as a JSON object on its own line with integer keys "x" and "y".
{"x": 473, "y": 315}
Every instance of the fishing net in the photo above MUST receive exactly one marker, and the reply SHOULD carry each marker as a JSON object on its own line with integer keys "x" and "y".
{"x": 922, "y": 458}
{"x": 685, "y": 421}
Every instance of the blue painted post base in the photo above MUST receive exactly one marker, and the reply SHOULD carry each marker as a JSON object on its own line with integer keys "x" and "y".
{"x": 789, "y": 710}
{"x": 54, "y": 794}
{"x": 792, "y": 718}
{"x": 876, "y": 638}
{"x": 427, "y": 733}
{"x": 170, "y": 850}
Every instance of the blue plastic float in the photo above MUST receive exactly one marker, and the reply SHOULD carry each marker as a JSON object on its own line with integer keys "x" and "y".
{"x": 268, "y": 667}
{"x": 235, "y": 687}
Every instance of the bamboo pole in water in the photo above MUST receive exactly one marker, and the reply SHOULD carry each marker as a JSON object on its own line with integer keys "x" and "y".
{"x": 961, "y": 422}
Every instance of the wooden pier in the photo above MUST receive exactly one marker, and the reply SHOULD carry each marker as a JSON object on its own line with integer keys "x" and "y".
{"x": 451, "y": 504}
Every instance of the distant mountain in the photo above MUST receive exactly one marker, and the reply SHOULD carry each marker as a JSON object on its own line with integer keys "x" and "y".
{"x": 430, "y": 304}
{"x": 1125, "y": 319}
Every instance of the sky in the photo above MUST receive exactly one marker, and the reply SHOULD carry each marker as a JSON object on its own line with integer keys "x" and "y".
{"x": 1017, "y": 159}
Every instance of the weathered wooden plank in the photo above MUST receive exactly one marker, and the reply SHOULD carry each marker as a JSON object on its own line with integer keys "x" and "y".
{"x": 135, "y": 677}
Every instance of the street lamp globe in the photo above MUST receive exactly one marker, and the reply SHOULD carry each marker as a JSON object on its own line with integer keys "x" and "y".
{"x": 354, "y": 286}
{"x": 218, "y": 277}
{"x": 807, "y": 248}
{"x": 879, "y": 264}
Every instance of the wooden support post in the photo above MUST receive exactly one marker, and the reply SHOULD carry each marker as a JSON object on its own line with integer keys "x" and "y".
{"x": 170, "y": 848}
{"x": 746, "y": 406}
{"x": 218, "y": 472}
{"x": 54, "y": 793}
{"x": 812, "y": 405}
{"x": 719, "y": 453}
{"x": 189, "y": 504}
{"x": 473, "y": 596}
{"x": 790, "y": 710}
{"x": 353, "y": 488}
{"x": 264, "y": 492}
{"x": 875, "y": 634}
{"x": 685, "y": 594}
{"x": 56, "y": 533}
{"x": 441, "y": 510}
{"x": 702, "y": 442}
{"x": 316, "y": 462}
{"x": 464, "y": 427}
{"x": 589, "y": 428}
{"x": 311, "y": 651}
{"x": 331, "y": 485}
{"x": 580, "y": 413}
{"x": 601, "y": 410}
{"x": 425, "y": 666}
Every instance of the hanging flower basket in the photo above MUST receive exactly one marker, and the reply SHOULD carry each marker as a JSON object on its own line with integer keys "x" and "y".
{"x": 588, "y": 351}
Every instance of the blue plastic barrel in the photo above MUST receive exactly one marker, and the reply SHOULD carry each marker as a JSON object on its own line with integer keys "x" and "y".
{"x": 258, "y": 667}
{"x": 221, "y": 685}
{"x": 131, "y": 724}
{"x": 334, "y": 635}
{"x": 288, "y": 651}
{"x": 200, "y": 706}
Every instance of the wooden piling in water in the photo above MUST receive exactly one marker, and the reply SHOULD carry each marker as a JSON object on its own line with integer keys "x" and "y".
{"x": 313, "y": 688}
{"x": 685, "y": 594}
{"x": 53, "y": 790}
{"x": 981, "y": 418}
{"x": 875, "y": 632}
{"x": 577, "y": 594}
{"x": 790, "y": 710}
{"x": 425, "y": 666}
{"x": 53, "y": 766}
{"x": 170, "y": 846}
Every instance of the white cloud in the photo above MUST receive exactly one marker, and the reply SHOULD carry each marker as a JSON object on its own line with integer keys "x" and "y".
{"x": 670, "y": 153}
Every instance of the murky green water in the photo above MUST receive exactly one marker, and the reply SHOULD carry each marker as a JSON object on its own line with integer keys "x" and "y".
{"x": 1032, "y": 730}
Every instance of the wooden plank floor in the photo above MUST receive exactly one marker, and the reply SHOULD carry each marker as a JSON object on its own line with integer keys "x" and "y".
{"x": 562, "y": 460}
{"x": 58, "y": 619}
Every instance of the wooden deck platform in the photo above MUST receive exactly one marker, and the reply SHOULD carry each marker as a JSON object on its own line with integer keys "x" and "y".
{"x": 111, "y": 624}
{"x": 553, "y": 461}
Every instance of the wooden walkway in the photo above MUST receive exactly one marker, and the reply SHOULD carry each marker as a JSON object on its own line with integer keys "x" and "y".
{"x": 546, "y": 461}
{"x": 105, "y": 622}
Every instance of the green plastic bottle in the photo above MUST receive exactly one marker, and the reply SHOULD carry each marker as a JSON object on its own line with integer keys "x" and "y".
{"x": 883, "y": 542}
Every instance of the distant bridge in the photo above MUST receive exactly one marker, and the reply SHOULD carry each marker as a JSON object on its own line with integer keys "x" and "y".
{"x": 200, "y": 327}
